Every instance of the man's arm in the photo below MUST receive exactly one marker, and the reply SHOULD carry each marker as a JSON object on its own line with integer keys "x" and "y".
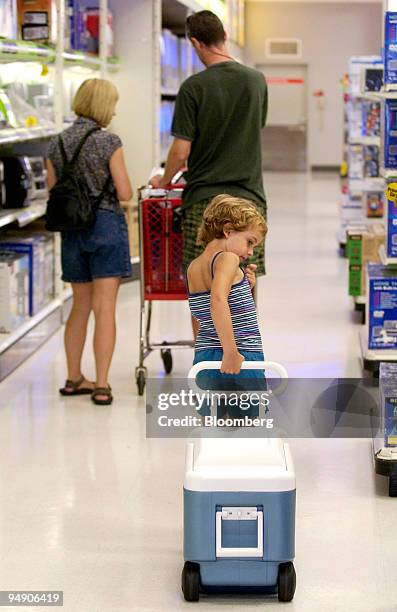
{"x": 176, "y": 159}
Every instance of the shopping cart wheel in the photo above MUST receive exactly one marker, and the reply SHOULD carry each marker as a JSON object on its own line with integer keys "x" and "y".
{"x": 167, "y": 360}
{"x": 286, "y": 581}
{"x": 191, "y": 581}
{"x": 393, "y": 486}
{"x": 140, "y": 381}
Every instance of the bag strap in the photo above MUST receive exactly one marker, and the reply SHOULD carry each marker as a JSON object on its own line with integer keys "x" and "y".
{"x": 79, "y": 147}
{"x": 104, "y": 190}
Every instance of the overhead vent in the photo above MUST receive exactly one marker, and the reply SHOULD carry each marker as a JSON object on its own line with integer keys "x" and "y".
{"x": 283, "y": 48}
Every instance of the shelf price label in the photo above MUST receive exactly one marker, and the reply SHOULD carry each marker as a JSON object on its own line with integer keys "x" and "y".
{"x": 391, "y": 192}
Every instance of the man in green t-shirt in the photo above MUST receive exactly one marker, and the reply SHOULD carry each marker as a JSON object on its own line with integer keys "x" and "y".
{"x": 219, "y": 114}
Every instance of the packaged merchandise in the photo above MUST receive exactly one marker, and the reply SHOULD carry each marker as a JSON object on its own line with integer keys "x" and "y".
{"x": 184, "y": 61}
{"x": 382, "y": 307}
{"x": 77, "y": 18}
{"x": 39, "y": 174}
{"x": 388, "y": 402}
{"x": 92, "y": 21}
{"x": 372, "y": 78}
{"x": 357, "y": 67}
{"x": 354, "y": 118}
{"x": 391, "y": 229}
{"x": 8, "y": 19}
{"x": 34, "y": 19}
{"x": 370, "y": 118}
{"x": 362, "y": 247}
{"x": 14, "y": 290}
{"x": 166, "y": 115}
{"x": 34, "y": 248}
{"x": 374, "y": 203}
{"x": 390, "y": 49}
{"x": 371, "y": 161}
{"x": 389, "y": 131}
{"x": 356, "y": 161}
{"x": 18, "y": 181}
{"x": 169, "y": 60}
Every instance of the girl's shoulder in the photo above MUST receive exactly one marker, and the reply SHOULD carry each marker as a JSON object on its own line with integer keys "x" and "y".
{"x": 224, "y": 260}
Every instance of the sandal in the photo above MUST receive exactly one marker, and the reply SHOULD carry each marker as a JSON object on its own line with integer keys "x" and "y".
{"x": 72, "y": 387}
{"x": 106, "y": 391}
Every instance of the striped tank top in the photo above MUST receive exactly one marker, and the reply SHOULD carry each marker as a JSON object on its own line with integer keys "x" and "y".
{"x": 243, "y": 313}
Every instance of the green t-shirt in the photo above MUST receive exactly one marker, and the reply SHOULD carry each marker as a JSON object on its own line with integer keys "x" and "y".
{"x": 222, "y": 110}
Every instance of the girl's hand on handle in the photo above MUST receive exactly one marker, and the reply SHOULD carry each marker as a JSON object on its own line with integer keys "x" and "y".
{"x": 231, "y": 363}
{"x": 250, "y": 272}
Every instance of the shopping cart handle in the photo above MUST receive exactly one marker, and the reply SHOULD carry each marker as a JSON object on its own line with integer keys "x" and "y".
{"x": 246, "y": 365}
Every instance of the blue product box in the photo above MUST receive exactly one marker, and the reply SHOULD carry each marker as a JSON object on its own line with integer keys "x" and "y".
{"x": 391, "y": 229}
{"x": 388, "y": 403}
{"x": 78, "y": 25}
{"x": 382, "y": 307}
{"x": 390, "y": 134}
{"x": 34, "y": 248}
{"x": 390, "y": 50}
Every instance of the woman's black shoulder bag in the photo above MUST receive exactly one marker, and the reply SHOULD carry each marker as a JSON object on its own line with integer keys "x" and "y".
{"x": 70, "y": 205}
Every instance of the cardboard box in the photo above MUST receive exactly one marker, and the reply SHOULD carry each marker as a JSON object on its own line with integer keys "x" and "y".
{"x": 14, "y": 290}
{"x": 362, "y": 248}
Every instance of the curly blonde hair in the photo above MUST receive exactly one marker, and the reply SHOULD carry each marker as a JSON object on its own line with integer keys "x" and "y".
{"x": 224, "y": 208}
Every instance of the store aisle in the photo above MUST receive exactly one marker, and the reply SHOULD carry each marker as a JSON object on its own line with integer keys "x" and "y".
{"x": 91, "y": 507}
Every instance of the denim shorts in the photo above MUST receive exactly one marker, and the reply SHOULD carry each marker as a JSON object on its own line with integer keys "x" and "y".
{"x": 246, "y": 380}
{"x": 99, "y": 252}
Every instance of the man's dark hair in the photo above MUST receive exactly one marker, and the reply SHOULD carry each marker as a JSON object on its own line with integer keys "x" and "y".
{"x": 206, "y": 27}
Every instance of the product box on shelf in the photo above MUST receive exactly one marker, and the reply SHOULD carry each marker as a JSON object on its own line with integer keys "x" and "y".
{"x": 391, "y": 228}
{"x": 356, "y": 161}
{"x": 35, "y": 249}
{"x": 362, "y": 247}
{"x": 92, "y": 22}
{"x": 370, "y": 118}
{"x": 170, "y": 69}
{"x": 34, "y": 19}
{"x": 371, "y": 161}
{"x": 382, "y": 307}
{"x": 389, "y": 133}
{"x": 390, "y": 49}
{"x": 77, "y": 26}
{"x": 374, "y": 203}
{"x": 357, "y": 67}
{"x": 14, "y": 290}
{"x": 388, "y": 402}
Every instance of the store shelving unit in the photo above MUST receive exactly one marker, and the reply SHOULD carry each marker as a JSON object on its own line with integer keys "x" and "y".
{"x": 18, "y": 345}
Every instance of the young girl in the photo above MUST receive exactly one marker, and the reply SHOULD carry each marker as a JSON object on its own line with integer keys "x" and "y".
{"x": 220, "y": 293}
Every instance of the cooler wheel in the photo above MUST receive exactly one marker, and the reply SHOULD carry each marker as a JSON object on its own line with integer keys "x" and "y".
{"x": 286, "y": 581}
{"x": 191, "y": 581}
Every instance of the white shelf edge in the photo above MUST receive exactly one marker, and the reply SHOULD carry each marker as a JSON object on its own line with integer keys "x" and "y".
{"x": 23, "y": 134}
{"x": 360, "y": 299}
{"x": 10, "y": 339}
{"x": 388, "y": 173}
{"x": 386, "y": 261}
{"x": 23, "y": 216}
{"x": 135, "y": 260}
{"x": 374, "y": 354}
{"x": 168, "y": 92}
{"x": 365, "y": 140}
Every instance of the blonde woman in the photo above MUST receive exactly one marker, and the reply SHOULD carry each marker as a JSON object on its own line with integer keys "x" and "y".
{"x": 94, "y": 260}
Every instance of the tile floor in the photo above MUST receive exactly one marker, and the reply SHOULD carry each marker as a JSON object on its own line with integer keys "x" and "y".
{"x": 89, "y": 506}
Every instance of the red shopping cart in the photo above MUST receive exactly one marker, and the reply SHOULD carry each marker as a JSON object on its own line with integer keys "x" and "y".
{"x": 162, "y": 276}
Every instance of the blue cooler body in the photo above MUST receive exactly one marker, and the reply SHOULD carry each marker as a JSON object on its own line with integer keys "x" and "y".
{"x": 239, "y": 517}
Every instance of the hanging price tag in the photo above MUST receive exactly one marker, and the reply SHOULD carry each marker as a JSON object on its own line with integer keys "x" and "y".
{"x": 391, "y": 192}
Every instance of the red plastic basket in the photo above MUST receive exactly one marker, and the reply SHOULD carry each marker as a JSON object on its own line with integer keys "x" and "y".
{"x": 164, "y": 277}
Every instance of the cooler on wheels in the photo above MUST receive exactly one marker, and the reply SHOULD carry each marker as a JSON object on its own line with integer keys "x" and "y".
{"x": 239, "y": 516}
{"x": 161, "y": 270}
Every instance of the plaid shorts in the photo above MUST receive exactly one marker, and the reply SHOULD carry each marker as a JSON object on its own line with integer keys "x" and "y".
{"x": 191, "y": 221}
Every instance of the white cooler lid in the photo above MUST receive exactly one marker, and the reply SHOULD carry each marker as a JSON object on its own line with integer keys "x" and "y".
{"x": 239, "y": 464}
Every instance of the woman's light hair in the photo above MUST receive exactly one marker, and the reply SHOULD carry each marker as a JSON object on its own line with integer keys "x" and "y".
{"x": 240, "y": 213}
{"x": 96, "y": 99}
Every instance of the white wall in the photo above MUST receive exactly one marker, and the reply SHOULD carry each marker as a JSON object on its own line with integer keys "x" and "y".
{"x": 331, "y": 33}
